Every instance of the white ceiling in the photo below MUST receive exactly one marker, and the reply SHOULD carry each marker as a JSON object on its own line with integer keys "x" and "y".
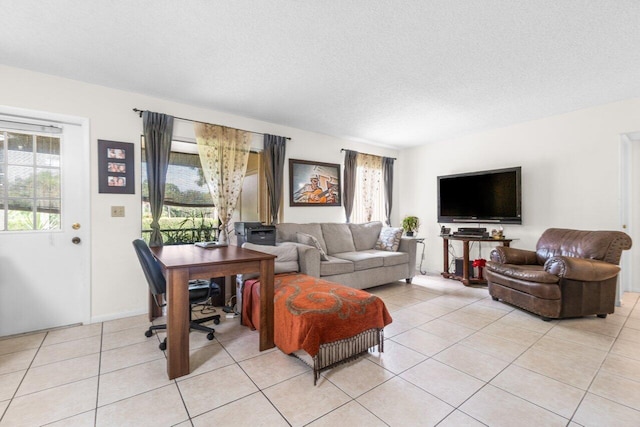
{"x": 395, "y": 73}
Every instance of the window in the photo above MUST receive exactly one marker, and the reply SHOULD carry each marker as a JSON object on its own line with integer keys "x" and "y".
{"x": 368, "y": 203}
{"x": 29, "y": 181}
{"x": 188, "y": 214}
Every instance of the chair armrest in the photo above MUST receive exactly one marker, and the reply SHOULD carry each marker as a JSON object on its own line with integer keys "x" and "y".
{"x": 409, "y": 245}
{"x": 309, "y": 260}
{"x": 582, "y": 269}
{"x": 506, "y": 255}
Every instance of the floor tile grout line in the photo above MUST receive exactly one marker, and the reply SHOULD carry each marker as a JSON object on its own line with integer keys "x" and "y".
{"x": 353, "y": 400}
{"x": 236, "y": 363}
{"x": 26, "y": 372}
{"x": 95, "y": 413}
{"x": 475, "y": 332}
{"x": 600, "y": 368}
{"x": 95, "y": 409}
{"x": 489, "y": 382}
{"x": 184, "y": 403}
{"x": 502, "y": 370}
{"x": 586, "y": 391}
{"x": 452, "y": 367}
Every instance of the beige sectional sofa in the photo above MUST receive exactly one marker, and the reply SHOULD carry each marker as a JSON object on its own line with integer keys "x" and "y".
{"x": 351, "y": 257}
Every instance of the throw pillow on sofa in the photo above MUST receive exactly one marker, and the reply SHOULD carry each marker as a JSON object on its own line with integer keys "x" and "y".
{"x": 389, "y": 239}
{"x": 308, "y": 239}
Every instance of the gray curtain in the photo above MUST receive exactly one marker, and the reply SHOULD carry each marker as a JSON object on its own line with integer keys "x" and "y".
{"x": 349, "y": 186}
{"x": 387, "y": 176}
{"x": 158, "y": 130}
{"x": 273, "y": 158}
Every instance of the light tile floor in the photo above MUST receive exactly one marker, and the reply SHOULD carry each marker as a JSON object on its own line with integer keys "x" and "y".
{"x": 452, "y": 357}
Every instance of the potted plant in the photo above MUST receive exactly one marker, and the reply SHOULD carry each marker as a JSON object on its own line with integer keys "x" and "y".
{"x": 410, "y": 225}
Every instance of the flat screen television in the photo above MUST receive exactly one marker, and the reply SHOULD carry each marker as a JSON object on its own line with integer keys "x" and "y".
{"x": 492, "y": 196}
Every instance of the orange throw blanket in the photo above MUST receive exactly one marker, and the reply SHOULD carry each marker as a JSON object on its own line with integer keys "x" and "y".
{"x": 310, "y": 312}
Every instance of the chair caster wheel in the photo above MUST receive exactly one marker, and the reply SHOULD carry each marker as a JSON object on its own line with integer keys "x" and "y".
{"x": 216, "y": 321}
{"x": 602, "y": 316}
{"x": 210, "y": 336}
{"x": 163, "y": 346}
{"x": 148, "y": 333}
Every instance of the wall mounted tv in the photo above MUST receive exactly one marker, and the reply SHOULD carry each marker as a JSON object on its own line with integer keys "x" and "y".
{"x": 492, "y": 196}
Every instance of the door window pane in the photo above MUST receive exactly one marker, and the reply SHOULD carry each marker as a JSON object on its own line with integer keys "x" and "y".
{"x": 48, "y": 183}
{"x": 20, "y": 215}
{"x": 30, "y": 182}
{"x": 48, "y": 214}
{"x": 47, "y": 151}
{"x": 20, "y": 148}
{"x": 20, "y": 181}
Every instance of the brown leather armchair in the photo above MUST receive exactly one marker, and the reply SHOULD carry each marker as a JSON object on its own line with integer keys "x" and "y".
{"x": 572, "y": 273}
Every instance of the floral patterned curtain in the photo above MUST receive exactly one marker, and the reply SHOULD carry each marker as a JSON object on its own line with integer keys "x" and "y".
{"x": 369, "y": 177}
{"x": 224, "y": 153}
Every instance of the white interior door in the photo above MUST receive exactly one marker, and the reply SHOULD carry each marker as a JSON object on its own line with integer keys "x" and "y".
{"x": 629, "y": 280}
{"x": 44, "y": 221}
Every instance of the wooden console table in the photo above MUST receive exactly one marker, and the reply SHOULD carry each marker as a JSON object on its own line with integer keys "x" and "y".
{"x": 465, "y": 279}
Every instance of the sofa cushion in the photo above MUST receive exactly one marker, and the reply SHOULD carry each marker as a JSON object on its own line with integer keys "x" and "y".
{"x": 390, "y": 258}
{"x": 362, "y": 260}
{"x": 337, "y": 238}
{"x": 286, "y": 232}
{"x": 286, "y": 253}
{"x": 335, "y": 266}
{"x": 389, "y": 239}
{"x": 365, "y": 235}
{"x": 308, "y": 239}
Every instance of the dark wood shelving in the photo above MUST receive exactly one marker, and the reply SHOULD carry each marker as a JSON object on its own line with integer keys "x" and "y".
{"x": 465, "y": 279}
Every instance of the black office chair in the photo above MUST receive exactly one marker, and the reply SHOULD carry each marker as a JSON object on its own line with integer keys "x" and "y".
{"x": 199, "y": 291}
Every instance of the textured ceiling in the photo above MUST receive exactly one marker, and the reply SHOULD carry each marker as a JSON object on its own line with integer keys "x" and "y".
{"x": 395, "y": 73}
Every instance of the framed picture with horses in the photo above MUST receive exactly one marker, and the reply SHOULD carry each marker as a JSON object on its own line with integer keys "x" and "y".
{"x": 314, "y": 183}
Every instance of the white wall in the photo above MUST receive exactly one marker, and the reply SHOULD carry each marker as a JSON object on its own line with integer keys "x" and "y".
{"x": 570, "y": 173}
{"x": 116, "y": 292}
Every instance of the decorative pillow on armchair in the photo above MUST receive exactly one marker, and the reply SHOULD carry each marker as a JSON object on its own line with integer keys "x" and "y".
{"x": 308, "y": 239}
{"x": 389, "y": 239}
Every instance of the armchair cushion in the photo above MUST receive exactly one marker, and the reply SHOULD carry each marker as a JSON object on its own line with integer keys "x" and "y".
{"x": 538, "y": 290}
{"x": 531, "y": 273}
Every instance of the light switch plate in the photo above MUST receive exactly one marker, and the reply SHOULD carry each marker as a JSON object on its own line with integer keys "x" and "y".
{"x": 117, "y": 211}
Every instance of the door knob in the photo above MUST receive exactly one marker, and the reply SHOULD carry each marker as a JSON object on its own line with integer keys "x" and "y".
{"x": 75, "y": 226}
{"x": 75, "y": 240}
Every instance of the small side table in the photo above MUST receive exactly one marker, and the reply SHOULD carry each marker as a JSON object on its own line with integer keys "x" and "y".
{"x": 420, "y": 240}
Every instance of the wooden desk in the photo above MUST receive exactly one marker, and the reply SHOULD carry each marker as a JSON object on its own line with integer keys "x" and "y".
{"x": 181, "y": 263}
{"x": 465, "y": 279}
